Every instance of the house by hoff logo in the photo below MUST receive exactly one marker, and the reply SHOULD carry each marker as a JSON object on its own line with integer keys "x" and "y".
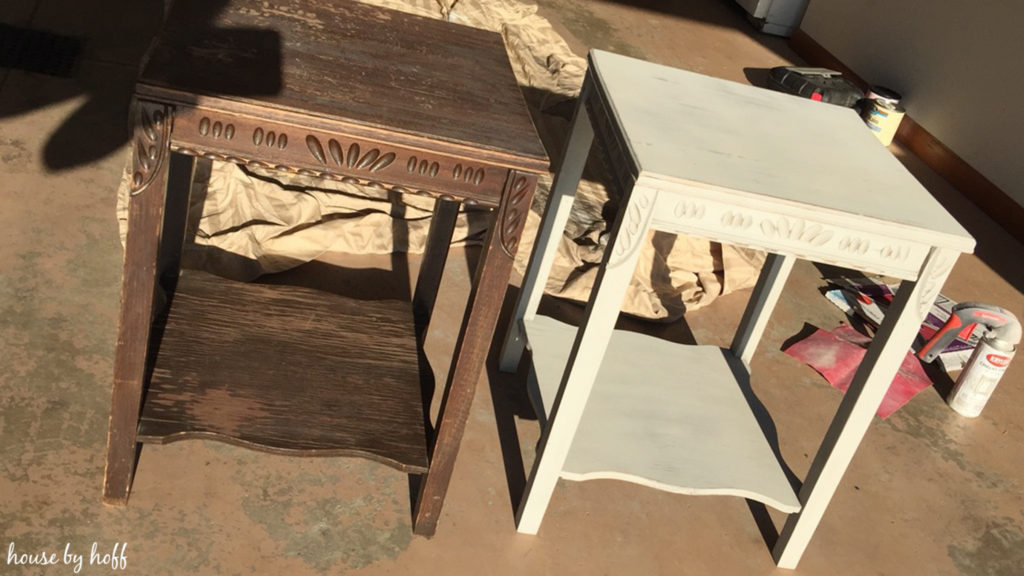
{"x": 97, "y": 556}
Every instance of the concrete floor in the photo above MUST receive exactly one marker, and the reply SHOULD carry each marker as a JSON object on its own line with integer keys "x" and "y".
{"x": 928, "y": 492}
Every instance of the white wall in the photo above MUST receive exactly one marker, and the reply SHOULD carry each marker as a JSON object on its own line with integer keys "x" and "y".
{"x": 959, "y": 65}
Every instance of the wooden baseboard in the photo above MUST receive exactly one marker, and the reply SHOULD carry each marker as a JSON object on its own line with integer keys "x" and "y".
{"x": 994, "y": 201}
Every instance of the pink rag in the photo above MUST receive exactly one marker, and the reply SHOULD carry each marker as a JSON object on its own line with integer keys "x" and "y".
{"x": 837, "y": 354}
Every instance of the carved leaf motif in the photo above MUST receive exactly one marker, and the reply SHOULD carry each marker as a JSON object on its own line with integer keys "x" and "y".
{"x": 468, "y": 174}
{"x": 629, "y": 235}
{"x": 796, "y": 230}
{"x": 152, "y": 135}
{"x": 517, "y": 199}
{"x": 353, "y": 155}
{"x": 257, "y": 136}
{"x": 316, "y": 149}
{"x": 372, "y": 160}
{"x": 423, "y": 167}
{"x": 689, "y": 209}
{"x": 334, "y": 147}
{"x": 383, "y": 162}
{"x": 204, "y": 126}
{"x": 368, "y": 158}
{"x": 142, "y": 155}
{"x": 148, "y": 125}
{"x": 733, "y": 219}
{"x": 894, "y": 252}
{"x": 854, "y": 245}
{"x": 511, "y": 224}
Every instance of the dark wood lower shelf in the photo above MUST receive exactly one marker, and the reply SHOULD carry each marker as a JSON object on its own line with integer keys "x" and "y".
{"x": 288, "y": 370}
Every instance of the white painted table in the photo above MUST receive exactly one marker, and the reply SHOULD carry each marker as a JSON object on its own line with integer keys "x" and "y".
{"x": 737, "y": 164}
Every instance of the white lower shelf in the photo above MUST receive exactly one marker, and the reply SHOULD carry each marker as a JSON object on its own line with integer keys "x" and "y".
{"x": 663, "y": 415}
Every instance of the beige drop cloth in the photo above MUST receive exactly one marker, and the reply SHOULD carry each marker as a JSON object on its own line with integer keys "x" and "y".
{"x": 276, "y": 221}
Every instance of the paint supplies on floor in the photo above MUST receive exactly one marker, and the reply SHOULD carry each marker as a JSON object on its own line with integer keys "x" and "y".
{"x": 819, "y": 84}
{"x": 837, "y": 354}
{"x": 866, "y": 299}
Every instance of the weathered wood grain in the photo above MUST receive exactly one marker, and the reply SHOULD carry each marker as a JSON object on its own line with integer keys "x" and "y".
{"x": 359, "y": 63}
{"x": 289, "y": 370}
{"x": 489, "y": 284}
{"x": 343, "y": 91}
{"x": 138, "y": 289}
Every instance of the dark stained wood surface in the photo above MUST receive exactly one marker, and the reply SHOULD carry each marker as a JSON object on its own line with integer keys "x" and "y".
{"x": 343, "y": 60}
{"x": 289, "y": 370}
{"x": 485, "y": 299}
{"x": 333, "y": 152}
{"x": 138, "y": 289}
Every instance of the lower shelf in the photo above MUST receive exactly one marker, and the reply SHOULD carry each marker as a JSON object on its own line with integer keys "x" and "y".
{"x": 663, "y": 415}
{"x": 288, "y": 370}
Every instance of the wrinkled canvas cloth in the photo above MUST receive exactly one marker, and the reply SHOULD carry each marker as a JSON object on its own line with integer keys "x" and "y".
{"x": 263, "y": 222}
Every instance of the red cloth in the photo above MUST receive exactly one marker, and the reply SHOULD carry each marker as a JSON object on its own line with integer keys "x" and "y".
{"x": 837, "y": 354}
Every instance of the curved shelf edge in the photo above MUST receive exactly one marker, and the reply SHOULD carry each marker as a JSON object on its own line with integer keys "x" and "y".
{"x": 678, "y": 418}
{"x": 288, "y": 370}
{"x": 610, "y": 475}
{"x": 284, "y": 451}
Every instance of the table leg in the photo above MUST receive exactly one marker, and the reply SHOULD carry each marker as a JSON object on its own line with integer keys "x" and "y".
{"x": 563, "y": 192}
{"x": 150, "y": 161}
{"x": 867, "y": 390}
{"x": 762, "y": 301}
{"x": 439, "y": 238}
{"x": 628, "y": 233}
{"x": 489, "y": 286}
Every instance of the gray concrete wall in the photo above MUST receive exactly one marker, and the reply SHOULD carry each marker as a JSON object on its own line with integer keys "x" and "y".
{"x": 957, "y": 64}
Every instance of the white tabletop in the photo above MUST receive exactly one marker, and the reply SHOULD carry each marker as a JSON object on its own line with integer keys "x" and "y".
{"x": 687, "y": 127}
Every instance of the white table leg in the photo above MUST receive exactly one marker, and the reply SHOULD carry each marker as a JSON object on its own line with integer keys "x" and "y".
{"x": 870, "y": 383}
{"x": 617, "y": 266}
{"x": 762, "y": 301}
{"x": 556, "y": 215}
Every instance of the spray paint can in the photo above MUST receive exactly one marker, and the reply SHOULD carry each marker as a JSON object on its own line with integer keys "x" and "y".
{"x": 990, "y": 359}
{"x": 980, "y": 376}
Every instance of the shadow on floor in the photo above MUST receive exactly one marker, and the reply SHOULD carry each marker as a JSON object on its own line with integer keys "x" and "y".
{"x": 101, "y": 55}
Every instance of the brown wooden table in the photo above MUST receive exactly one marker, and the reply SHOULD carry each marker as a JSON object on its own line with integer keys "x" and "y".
{"x": 344, "y": 91}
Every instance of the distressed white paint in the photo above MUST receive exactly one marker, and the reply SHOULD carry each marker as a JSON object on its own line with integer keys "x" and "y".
{"x": 584, "y": 359}
{"x": 738, "y": 164}
{"x": 690, "y": 129}
{"x": 557, "y": 211}
{"x": 766, "y": 294}
{"x": 867, "y": 390}
{"x": 663, "y": 415}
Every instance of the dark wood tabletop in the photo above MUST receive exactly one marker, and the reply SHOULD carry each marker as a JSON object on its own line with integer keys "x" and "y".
{"x": 341, "y": 91}
{"x": 350, "y": 62}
